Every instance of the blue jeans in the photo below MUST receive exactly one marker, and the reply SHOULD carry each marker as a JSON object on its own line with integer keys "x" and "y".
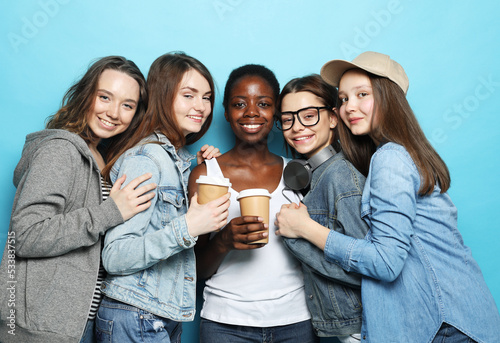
{"x": 88, "y": 333}
{"x": 117, "y": 322}
{"x": 213, "y": 332}
{"x": 449, "y": 334}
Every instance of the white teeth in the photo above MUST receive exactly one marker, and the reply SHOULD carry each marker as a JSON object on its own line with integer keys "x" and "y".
{"x": 195, "y": 117}
{"x": 251, "y": 126}
{"x": 107, "y": 123}
{"x": 302, "y": 138}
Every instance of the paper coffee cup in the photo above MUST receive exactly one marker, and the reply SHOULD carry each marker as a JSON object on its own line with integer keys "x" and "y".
{"x": 255, "y": 202}
{"x": 211, "y": 188}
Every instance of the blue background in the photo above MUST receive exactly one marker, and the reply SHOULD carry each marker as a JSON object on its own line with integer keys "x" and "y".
{"x": 448, "y": 49}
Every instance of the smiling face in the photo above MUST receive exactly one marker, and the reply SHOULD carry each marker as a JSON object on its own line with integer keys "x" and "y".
{"x": 250, "y": 109}
{"x": 192, "y": 103}
{"x": 356, "y": 97}
{"x": 115, "y": 104}
{"x": 311, "y": 139}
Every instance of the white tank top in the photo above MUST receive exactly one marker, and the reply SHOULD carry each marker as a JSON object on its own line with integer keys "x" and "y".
{"x": 262, "y": 287}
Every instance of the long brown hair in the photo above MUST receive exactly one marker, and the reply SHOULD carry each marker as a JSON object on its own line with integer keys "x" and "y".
{"x": 314, "y": 84}
{"x": 396, "y": 123}
{"x": 164, "y": 78}
{"x": 79, "y": 101}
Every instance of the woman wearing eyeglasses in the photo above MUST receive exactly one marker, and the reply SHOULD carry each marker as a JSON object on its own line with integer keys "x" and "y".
{"x": 307, "y": 116}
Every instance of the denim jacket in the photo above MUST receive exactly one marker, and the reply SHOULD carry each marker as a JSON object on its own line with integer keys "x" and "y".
{"x": 417, "y": 271}
{"x": 334, "y": 201}
{"x": 149, "y": 258}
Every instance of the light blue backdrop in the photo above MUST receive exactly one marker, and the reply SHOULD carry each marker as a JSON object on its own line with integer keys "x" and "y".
{"x": 449, "y": 50}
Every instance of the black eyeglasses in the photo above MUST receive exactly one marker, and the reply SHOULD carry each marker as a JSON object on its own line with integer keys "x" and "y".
{"x": 308, "y": 116}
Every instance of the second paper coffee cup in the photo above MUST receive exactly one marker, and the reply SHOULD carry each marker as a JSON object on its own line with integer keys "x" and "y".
{"x": 255, "y": 202}
{"x": 211, "y": 188}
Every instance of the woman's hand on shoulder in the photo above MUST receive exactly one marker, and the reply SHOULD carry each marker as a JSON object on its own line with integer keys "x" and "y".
{"x": 207, "y": 152}
{"x": 132, "y": 198}
{"x": 209, "y": 217}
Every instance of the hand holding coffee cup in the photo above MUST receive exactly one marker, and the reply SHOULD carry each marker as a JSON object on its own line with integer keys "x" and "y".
{"x": 255, "y": 202}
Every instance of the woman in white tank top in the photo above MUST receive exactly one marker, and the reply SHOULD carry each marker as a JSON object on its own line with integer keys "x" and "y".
{"x": 254, "y": 292}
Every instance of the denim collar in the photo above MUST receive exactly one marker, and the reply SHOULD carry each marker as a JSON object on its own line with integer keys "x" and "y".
{"x": 180, "y": 154}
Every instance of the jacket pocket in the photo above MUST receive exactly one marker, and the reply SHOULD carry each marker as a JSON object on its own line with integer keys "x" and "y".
{"x": 172, "y": 202}
{"x": 103, "y": 329}
{"x": 50, "y": 298}
{"x": 345, "y": 302}
{"x": 354, "y": 297}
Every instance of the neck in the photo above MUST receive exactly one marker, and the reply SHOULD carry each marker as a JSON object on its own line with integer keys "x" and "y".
{"x": 244, "y": 151}
{"x": 93, "y": 147}
{"x": 97, "y": 156}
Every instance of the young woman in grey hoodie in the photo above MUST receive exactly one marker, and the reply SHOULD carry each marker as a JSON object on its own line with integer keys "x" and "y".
{"x": 51, "y": 263}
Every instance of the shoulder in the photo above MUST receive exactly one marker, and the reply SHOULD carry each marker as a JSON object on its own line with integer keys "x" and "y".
{"x": 59, "y": 149}
{"x": 391, "y": 147}
{"x": 340, "y": 163}
{"x": 341, "y": 170}
{"x": 56, "y": 144}
{"x": 392, "y": 168}
{"x": 147, "y": 150}
{"x": 142, "y": 158}
{"x": 52, "y": 151}
{"x": 51, "y": 137}
{"x": 392, "y": 155}
{"x": 200, "y": 169}
{"x": 54, "y": 137}
{"x": 337, "y": 179}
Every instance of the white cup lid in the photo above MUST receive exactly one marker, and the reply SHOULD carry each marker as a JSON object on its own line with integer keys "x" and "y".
{"x": 214, "y": 180}
{"x": 253, "y": 192}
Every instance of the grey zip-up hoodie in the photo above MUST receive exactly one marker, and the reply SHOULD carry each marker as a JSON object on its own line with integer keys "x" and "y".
{"x": 51, "y": 259}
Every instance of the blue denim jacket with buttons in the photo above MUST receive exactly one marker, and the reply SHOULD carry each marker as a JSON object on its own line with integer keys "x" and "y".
{"x": 334, "y": 201}
{"x": 149, "y": 258}
{"x": 418, "y": 272}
